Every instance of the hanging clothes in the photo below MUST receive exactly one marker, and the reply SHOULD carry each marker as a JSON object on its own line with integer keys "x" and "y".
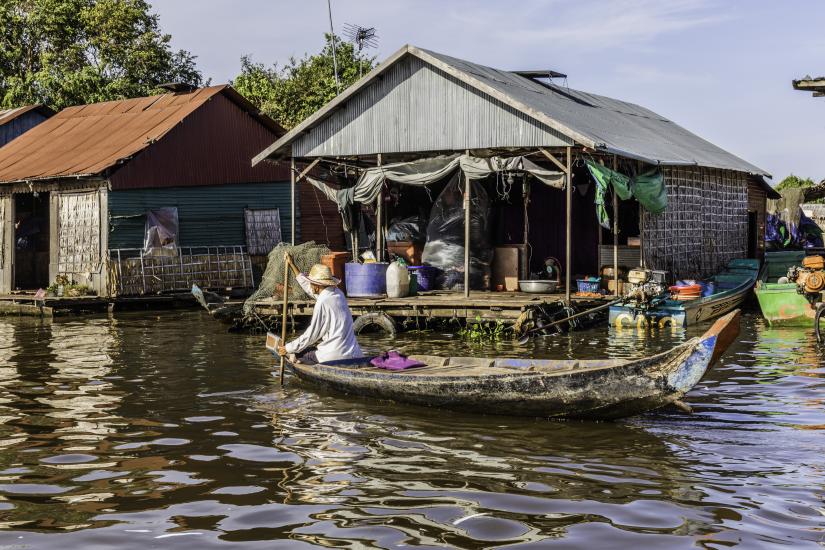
{"x": 647, "y": 188}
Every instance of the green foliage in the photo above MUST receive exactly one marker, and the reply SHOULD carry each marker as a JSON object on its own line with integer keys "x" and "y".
{"x": 481, "y": 331}
{"x": 794, "y": 181}
{"x": 69, "y": 52}
{"x": 291, "y": 93}
{"x": 69, "y": 288}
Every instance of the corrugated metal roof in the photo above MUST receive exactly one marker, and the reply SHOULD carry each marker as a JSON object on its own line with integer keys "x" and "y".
{"x": 591, "y": 120}
{"x": 88, "y": 140}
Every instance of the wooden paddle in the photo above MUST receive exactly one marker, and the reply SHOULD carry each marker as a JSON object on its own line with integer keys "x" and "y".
{"x": 529, "y": 334}
{"x": 287, "y": 261}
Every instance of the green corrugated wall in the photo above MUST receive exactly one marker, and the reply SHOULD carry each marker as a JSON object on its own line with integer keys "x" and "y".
{"x": 208, "y": 216}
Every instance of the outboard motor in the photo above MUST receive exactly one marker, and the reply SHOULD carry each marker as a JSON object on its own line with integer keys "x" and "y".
{"x": 643, "y": 285}
{"x": 809, "y": 278}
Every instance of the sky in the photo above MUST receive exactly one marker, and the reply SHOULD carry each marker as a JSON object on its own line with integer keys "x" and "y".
{"x": 719, "y": 68}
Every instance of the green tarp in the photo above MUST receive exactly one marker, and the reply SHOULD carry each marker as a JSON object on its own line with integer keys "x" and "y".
{"x": 648, "y": 188}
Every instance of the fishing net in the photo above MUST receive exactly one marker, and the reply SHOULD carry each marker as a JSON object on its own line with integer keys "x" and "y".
{"x": 304, "y": 255}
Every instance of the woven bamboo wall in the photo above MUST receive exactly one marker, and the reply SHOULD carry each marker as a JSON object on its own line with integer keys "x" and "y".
{"x": 705, "y": 224}
{"x": 78, "y": 233}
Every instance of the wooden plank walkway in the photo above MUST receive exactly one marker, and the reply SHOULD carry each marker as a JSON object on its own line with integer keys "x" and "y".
{"x": 25, "y": 304}
{"x": 506, "y": 306}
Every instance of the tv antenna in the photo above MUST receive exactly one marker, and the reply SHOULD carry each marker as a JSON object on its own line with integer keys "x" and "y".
{"x": 362, "y": 37}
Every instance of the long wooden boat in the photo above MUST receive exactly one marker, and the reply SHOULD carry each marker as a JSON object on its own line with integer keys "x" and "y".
{"x": 731, "y": 289}
{"x": 592, "y": 389}
{"x": 781, "y": 303}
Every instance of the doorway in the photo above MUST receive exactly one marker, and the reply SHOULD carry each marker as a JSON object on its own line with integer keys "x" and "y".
{"x": 753, "y": 234}
{"x": 31, "y": 241}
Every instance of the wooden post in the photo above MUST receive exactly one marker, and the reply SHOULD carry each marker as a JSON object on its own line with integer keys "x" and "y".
{"x": 641, "y": 225}
{"x": 568, "y": 237}
{"x": 467, "y": 203}
{"x": 615, "y": 234}
{"x": 292, "y": 199}
{"x": 379, "y": 220}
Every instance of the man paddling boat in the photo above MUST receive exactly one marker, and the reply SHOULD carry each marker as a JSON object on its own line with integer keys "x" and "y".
{"x": 329, "y": 336}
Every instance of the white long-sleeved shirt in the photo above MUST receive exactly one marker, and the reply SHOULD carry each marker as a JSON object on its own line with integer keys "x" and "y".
{"x": 330, "y": 327}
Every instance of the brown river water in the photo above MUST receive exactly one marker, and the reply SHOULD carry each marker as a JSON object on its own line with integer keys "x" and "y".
{"x": 164, "y": 431}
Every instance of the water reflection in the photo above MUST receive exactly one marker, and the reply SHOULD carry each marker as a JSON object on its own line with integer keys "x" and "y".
{"x": 148, "y": 430}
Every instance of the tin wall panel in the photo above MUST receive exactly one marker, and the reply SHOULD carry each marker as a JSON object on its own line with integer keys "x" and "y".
{"x": 19, "y": 125}
{"x": 208, "y": 215}
{"x": 417, "y": 107}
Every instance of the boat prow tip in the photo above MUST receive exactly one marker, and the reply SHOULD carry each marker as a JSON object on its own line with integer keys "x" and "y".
{"x": 725, "y": 330}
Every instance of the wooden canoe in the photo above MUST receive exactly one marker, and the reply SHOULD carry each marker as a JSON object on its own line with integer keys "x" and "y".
{"x": 592, "y": 389}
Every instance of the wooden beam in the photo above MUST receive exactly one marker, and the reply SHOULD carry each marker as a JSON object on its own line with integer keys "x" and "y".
{"x": 467, "y": 203}
{"x": 568, "y": 236}
{"x": 615, "y": 233}
{"x": 292, "y": 200}
{"x": 306, "y": 170}
{"x": 555, "y": 161}
{"x": 815, "y": 192}
{"x": 809, "y": 84}
{"x": 379, "y": 219}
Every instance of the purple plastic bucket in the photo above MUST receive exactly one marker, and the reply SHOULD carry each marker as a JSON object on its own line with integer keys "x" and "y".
{"x": 366, "y": 280}
{"x": 427, "y": 276}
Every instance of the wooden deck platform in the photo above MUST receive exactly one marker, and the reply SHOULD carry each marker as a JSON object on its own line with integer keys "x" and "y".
{"x": 506, "y": 306}
{"x": 26, "y": 304}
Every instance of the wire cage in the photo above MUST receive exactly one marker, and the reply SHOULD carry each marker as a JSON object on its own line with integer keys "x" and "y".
{"x": 132, "y": 272}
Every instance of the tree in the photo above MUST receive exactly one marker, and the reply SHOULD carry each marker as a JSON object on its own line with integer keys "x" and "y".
{"x": 793, "y": 181}
{"x": 813, "y": 192}
{"x": 291, "y": 93}
{"x": 69, "y": 52}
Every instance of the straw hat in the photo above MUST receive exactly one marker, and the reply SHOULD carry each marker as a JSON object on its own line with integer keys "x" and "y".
{"x": 321, "y": 275}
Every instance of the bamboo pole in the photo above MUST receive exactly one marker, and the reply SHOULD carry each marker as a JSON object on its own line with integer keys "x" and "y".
{"x": 283, "y": 317}
{"x": 379, "y": 220}
{"x": 292, "y": 200}
{"x": 568, "y": 237}
{"x": 615, "y": 234}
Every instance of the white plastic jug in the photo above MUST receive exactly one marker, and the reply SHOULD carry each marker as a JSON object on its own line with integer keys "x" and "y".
{"x": 398, "y": 280}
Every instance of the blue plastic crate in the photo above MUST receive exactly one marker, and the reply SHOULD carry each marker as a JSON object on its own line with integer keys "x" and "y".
{"x": 591, "y": 284}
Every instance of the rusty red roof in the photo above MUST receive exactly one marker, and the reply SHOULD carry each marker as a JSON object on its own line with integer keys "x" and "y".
{"x": 89, "y": 140}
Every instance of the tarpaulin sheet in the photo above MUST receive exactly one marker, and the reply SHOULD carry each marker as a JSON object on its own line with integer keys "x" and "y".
{"x": 648, "y": 188}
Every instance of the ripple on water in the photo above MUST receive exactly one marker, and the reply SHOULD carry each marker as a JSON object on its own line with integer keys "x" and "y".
{"x": 331, "y": 470}
{"x": 258, "y": 453}
{"x": 33, "y": 489}
{"x": 197, "y": 419}
{"x": 74, "y": 458}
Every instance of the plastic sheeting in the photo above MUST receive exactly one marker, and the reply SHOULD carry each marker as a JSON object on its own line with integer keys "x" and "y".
{"x": 410, "y": 229}
{"x": 427, "y": 171}
{"x": 161, "y": 236}
{"x": 445, "y": 236}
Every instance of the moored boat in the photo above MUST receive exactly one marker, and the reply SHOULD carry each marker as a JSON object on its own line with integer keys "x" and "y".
{"x": 592, "y": 389}
{"x": 780, "y": 299}
{"x": 729, "y": 289}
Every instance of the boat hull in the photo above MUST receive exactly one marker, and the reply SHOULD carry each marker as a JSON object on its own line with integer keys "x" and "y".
{"x": 781, "y": 304}
{"x": 686, "y": 314}
{"x": 601, "y": 389}
{"x": 672, "y": 313}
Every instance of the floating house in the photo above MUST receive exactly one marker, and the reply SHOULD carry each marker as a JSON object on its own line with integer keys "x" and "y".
{"x": 14, "y": 122}
{"x": 527, "y": 145}
{"x": 143, "y": 195}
